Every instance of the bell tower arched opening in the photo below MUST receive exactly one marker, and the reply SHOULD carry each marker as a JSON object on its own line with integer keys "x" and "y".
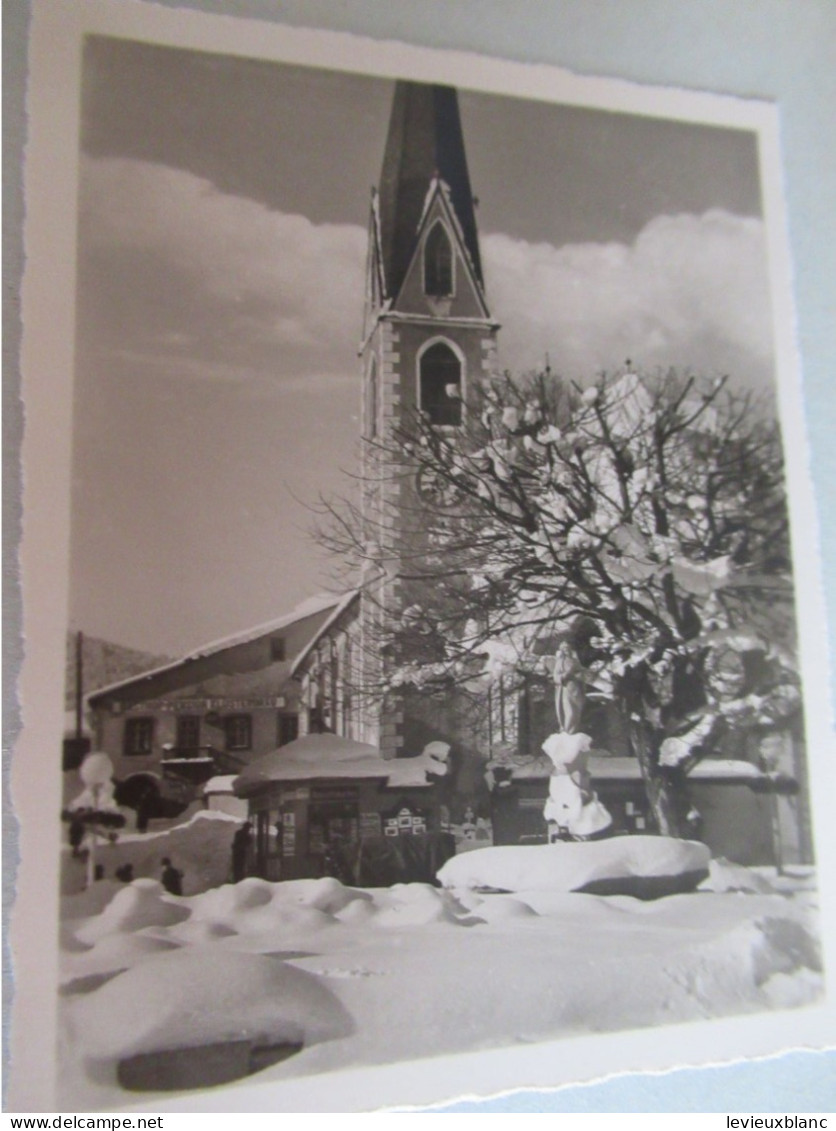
{"x": 440, "y": 384}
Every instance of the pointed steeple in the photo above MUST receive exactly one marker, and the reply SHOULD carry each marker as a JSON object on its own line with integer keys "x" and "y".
{"x": 424, "y": 142}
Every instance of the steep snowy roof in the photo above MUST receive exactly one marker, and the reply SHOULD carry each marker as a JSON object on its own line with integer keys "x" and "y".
{"x": 329, "y": 756}
{"x": 308, "y": 608}
{"x": 345, "y": 602}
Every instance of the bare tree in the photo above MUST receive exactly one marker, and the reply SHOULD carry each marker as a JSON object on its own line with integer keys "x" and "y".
{"x": 643, "y": 518}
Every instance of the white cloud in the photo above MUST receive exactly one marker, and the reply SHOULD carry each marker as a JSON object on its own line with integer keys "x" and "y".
{"x": 260, "y": 279}
{"x": 275, "y": 294}
{"x": 691, "y": 291}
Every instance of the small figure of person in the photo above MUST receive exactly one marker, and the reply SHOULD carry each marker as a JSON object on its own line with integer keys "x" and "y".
{"x": 569, "y": 695}
{"x": 143, "y": 815}
{"x": 240, "y": 851}
{"x": 171, "y": 878}
{"x": 125, "y": 873}
{"x": 98, "y": 872}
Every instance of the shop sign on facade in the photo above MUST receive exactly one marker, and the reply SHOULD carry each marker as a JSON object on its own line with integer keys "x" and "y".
{"x": 251, "y": 703}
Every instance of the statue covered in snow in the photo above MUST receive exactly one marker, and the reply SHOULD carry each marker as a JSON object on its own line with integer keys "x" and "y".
{"x": 572, "y": 810}
{"x": 436, "y": 755}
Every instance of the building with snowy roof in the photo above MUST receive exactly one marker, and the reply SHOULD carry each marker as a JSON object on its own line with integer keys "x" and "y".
{"x": 208, "y": 714}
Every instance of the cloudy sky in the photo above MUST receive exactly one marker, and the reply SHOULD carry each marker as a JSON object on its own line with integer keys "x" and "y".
{"x": 223, "y": 206}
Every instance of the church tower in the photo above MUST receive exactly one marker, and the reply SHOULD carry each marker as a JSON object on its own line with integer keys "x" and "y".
{"x": 428, "y": 335}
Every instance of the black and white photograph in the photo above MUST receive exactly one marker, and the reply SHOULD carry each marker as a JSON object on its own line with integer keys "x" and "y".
{"x": 429, "y": 655}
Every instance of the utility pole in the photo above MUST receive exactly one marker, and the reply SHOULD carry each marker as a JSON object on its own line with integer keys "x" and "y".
{"x": 79, "y": 685}
{"x": 76, "y": 747}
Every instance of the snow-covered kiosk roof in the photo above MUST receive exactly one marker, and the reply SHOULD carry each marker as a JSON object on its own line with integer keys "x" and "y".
{"x": 325, "y": 757}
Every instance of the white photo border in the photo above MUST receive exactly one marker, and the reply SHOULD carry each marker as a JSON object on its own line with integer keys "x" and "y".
{"x": 58, "y": 27}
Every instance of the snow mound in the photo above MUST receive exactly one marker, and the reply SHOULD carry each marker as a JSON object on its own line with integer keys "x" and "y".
{"x": 784, "y": 945}
{"x": 499, "y": 908}
{"x": 258, "y": 907}
{"x": 573, "y": 866}
{"x": 112, "y": 953}
{"x": 326, "y": 894}
{"x": 725, "y": 876}
{"x": 359, "y": 911}
{"x": 299, "y": 906}
{"x": 572, "y": 904}
{"x": 279, "y": 918}
{"x": 789, "y": 991}
{"x": 200, "y": 931}
{"x": 412, "y": 905}
{"x": 231, "y": 899}
{"x": 201, "y": 996}
{"x": 140, "y": 904}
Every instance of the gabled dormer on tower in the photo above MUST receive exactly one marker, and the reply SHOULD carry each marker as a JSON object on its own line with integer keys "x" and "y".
{"x": 424, "y": 161}
{"x": 441, "y": 280}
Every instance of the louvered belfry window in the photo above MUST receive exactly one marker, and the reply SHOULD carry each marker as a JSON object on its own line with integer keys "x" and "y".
{"x": 438, "y": 263}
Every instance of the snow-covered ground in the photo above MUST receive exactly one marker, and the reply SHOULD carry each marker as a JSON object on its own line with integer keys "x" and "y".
{"x": 361, "y": 977}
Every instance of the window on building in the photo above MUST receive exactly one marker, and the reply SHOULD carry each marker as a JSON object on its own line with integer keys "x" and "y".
{"x": 239, "y": 732}
{"x": 438, "y": 263}
{"x": 278, "y": 651}
{"x": 372, "y": 402}
{"x": 288, "y": 728}
{"x": 188, "y": 732}
{"x": 440, "y": 385}
{"x": 316, "y": 713}
{"x": 336, "y": 691}
{"x": 348, "y": 676}
{"x": 139, "y": 736}
{"x": 535, "y": 713}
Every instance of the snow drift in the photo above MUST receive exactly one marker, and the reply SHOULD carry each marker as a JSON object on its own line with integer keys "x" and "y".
{"x": 311, "y": 976}
{"x": 203, "y": 995}
{"x": 617, "y": 865}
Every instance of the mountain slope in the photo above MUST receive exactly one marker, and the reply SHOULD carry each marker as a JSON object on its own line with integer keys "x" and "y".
{"x": 103, "y": 662}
